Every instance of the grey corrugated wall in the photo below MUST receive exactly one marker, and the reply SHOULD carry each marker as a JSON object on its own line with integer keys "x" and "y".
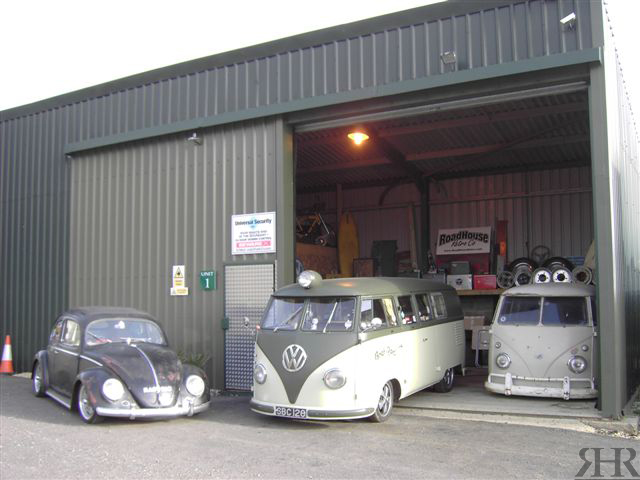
{"x": 137, "y": 210}
{"x": 616, "y": 183}
{"x": 550, "y": 207}
{"x": 359, "y": 59}
{"x": 34, "y": 211}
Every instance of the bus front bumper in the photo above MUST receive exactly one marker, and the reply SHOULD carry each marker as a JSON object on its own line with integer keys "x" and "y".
{"x": 310, "y": 413}
{"x": 565, "y": 388}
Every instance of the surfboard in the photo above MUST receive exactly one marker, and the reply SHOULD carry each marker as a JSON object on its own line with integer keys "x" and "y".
{"x": 348, "y": 245}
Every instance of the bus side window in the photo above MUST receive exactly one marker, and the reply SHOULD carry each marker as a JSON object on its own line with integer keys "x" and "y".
{"x": 439, "y": 306}
{"x": 406, "y": 310}
{"x": 381, "y": 308}
{"x": 424, "y": 311}
{"x": 594, "y": 311}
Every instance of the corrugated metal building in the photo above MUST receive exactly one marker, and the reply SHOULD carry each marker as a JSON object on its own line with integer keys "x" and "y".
{"x": 102, "y": 193}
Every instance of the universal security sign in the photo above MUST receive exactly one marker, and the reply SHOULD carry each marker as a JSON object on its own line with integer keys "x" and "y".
{"x": 253, "y": 233}
{"x": 457, "y": 241}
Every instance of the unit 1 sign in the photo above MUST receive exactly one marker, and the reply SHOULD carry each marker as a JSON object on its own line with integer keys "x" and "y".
{"x": 208, "y": 280}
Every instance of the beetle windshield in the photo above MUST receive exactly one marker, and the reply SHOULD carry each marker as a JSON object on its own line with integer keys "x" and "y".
{"x": 564, "y": 311}
{"x": 329, "y": 314}
{"x": 519, "y": 311}
{"x": 283, "y": 314}
{"x": 123, "y": 330}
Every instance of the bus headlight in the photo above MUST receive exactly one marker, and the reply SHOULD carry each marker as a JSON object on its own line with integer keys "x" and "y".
{"x": 577, "y": 364}
{"x": 334, "y": 378}
{"x": 260, "y": 373}
{"x": 112, "y": 389}
{"x": 195, "y": 385}
{"x": 503, "y": 360}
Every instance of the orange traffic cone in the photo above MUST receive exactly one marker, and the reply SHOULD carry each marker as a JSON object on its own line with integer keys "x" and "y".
{"x": 6, "y": 366}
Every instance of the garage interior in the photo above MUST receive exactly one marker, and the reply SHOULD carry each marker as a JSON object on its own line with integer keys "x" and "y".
{"x": 522, "y": 162}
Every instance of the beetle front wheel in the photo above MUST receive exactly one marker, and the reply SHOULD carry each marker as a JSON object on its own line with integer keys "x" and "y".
{"x": 85, "y": 408}
{"x": 38, "y": 380}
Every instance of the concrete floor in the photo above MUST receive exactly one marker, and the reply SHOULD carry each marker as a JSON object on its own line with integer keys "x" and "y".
{"x": 468, "y": 395}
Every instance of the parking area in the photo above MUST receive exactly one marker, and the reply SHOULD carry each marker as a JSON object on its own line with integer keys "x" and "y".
{"x": 40, "y": 438}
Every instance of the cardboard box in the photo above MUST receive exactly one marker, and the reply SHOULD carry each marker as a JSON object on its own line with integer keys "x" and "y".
{"x": 484, "y": 282}
{"x": 460, "y": 282}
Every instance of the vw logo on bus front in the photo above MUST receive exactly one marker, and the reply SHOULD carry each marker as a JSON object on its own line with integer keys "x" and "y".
{"x": 293, "y": 358}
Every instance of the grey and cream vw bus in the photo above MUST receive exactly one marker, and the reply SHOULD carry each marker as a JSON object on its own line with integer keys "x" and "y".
{"x": 542, "y": 342}
{"x": 349, "y": 348}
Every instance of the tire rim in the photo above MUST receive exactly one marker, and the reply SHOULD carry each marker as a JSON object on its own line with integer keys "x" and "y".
{"x": 384, "y": 404}
{"x": 84, "y": 405}
{"x": 448, "y": 377}
{"x": 37, "y": 378}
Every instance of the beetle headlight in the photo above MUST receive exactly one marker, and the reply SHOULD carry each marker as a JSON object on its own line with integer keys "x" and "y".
{"x": 112, "y": 389}
{"x": 260, "y": 373}
{"x": 334, "y": 378}
{"x": 194, "y": 385}
{"x": 577, "y": 364}
{"x": 503, "y": 360}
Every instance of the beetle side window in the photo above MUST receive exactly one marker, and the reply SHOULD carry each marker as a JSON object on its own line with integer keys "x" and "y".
{"x": 55, "y": 333}
{"x": 71, "y": 333}
{"x": 424, "y": 311}
{"x": 378, "y": 308}
{"x": 439, "y": 305}
{"x": 406, "y": 310}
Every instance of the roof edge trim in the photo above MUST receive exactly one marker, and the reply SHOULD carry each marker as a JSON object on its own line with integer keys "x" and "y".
{"x": 396, "y": 88}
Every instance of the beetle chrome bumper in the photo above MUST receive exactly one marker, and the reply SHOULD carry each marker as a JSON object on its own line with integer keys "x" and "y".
{"x": 187, "y": 408}
{"x": 565, "y": 388}
{"x": 314, "y": 413}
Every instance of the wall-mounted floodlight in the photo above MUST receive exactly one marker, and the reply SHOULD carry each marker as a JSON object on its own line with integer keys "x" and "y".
{"x": 195, "y": 139}
{"x": 569, "y": 20}
{"x": 358, "y": 137}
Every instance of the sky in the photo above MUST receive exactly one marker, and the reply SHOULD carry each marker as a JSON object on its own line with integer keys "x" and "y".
{"x": 48, "y": 48}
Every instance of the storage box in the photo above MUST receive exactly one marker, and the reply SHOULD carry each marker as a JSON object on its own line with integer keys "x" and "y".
{"x": 484, "y": 282}
{"x": 460, "y": 282}
{"x": 459, "y": 268}
{"x": 436, "y": 277}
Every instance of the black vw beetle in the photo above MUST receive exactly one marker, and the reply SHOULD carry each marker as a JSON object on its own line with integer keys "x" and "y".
{"x": 115, "y": 362}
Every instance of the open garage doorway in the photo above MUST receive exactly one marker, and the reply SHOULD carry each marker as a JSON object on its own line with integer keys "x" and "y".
{"x": 518, "y": 165}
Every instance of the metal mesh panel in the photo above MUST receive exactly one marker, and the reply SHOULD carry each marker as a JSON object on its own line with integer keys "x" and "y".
{"x": 247, "y": 291}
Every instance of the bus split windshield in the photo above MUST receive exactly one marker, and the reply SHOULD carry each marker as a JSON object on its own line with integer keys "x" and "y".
{"x": 556, "y": 311}
{"x": 317, "y": 314}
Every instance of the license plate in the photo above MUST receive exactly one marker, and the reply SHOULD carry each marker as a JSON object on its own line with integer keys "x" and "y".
{"x": 291, "y": 412}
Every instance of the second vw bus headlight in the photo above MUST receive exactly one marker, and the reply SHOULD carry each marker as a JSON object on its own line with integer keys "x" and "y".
{"x": 577, "y": 364}
{"x": 503, "y": 360}
{"x": 113, "y": 389}
{"x": 260, "y": 373}
{"x": 334, "y": 378}
{"x": 195, "y": 385}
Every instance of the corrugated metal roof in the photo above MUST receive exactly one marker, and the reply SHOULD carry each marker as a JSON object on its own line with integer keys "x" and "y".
{"x": 533, "y": 133}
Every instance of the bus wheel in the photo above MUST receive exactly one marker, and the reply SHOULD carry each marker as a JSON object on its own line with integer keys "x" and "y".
{"x": 385, "y": 404}
{"x": 446, "y": 384}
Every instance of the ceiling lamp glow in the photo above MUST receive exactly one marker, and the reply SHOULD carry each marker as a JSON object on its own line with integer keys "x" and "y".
{"x": 358, "y": 137}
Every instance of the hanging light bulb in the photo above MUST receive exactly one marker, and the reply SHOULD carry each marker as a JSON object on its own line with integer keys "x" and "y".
{"x": 358, "y": 137}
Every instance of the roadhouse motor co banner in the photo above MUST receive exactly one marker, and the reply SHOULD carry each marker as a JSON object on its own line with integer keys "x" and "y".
{"x": 456, "y": 241}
